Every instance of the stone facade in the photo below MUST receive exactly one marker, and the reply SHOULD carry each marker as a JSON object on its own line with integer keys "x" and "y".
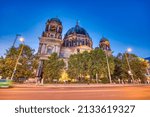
{"x": 75, "y": 40}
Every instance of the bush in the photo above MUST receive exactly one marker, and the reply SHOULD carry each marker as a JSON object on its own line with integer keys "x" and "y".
{"x": 105, "y": 80}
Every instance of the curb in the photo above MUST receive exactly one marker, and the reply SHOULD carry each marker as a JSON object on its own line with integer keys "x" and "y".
{"x": 77, "y": 86}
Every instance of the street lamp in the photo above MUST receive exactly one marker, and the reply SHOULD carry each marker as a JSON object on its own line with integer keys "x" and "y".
{"x": 108, "y": 67}
{"x": 129, "y": 67}
{"x": 17, "y": 35}
{"x": 129, "y": 50}
{"x": 22, "y": 41}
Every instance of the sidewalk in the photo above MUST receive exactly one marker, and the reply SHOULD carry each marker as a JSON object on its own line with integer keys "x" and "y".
{"x": 76, "y": 85}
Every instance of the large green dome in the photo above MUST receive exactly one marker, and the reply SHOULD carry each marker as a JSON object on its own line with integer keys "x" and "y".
{"x": 77, "y": 30}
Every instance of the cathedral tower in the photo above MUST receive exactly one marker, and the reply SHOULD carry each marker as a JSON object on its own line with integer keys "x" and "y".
{"x": 50, "y": 42}
{"x": 51, "y": 39}
{"x": 105, "y": 45}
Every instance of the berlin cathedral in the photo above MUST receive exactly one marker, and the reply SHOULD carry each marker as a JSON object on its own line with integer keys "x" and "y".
{"x": 75, "y": 40}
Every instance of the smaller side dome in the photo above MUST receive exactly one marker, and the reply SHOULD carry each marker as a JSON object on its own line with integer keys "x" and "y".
{"x": 104, "y": 44}
{"x": 104, "y": 39}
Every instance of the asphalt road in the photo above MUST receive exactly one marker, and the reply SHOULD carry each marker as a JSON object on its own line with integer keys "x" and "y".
{"x": 77, "y": 93}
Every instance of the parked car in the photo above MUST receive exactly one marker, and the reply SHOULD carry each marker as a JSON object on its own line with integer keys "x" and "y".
{"x": 5, "y": 83}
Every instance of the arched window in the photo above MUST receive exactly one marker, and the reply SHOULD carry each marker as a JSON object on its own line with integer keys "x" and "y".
{"x": 86, "y": 42}
{"x": 72, "y": 42}
{"x": 46, "y": 28}
{"x": 49, "y": 50}
{"x": 67, "y": 43}
{"x": 82, "y": 42}
{"x": 78, "y": 42}
{"x": 49, "y": 27}
{"x": 57, "y": 29}
{"x": 64, "y": 43}
{"x": 52, "y": 35}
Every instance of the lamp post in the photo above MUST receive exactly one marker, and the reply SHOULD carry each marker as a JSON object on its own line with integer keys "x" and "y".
{"x": 108, "y": 68}
{"x": 21, "y": 40}
{"x": 129, "y": 67}
{"x": 17, "y": 35}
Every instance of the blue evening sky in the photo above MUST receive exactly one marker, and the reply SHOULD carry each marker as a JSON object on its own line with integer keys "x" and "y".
{"x": 126, "y": 23}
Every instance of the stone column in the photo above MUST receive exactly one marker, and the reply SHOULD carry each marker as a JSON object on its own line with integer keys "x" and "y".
{"x": 84, "y": 42}
{"x": 45, "y": 48}
{"x": 40, "y": 47}
{"x": 56, "y": 48}
{"x": 49, "y": 27}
